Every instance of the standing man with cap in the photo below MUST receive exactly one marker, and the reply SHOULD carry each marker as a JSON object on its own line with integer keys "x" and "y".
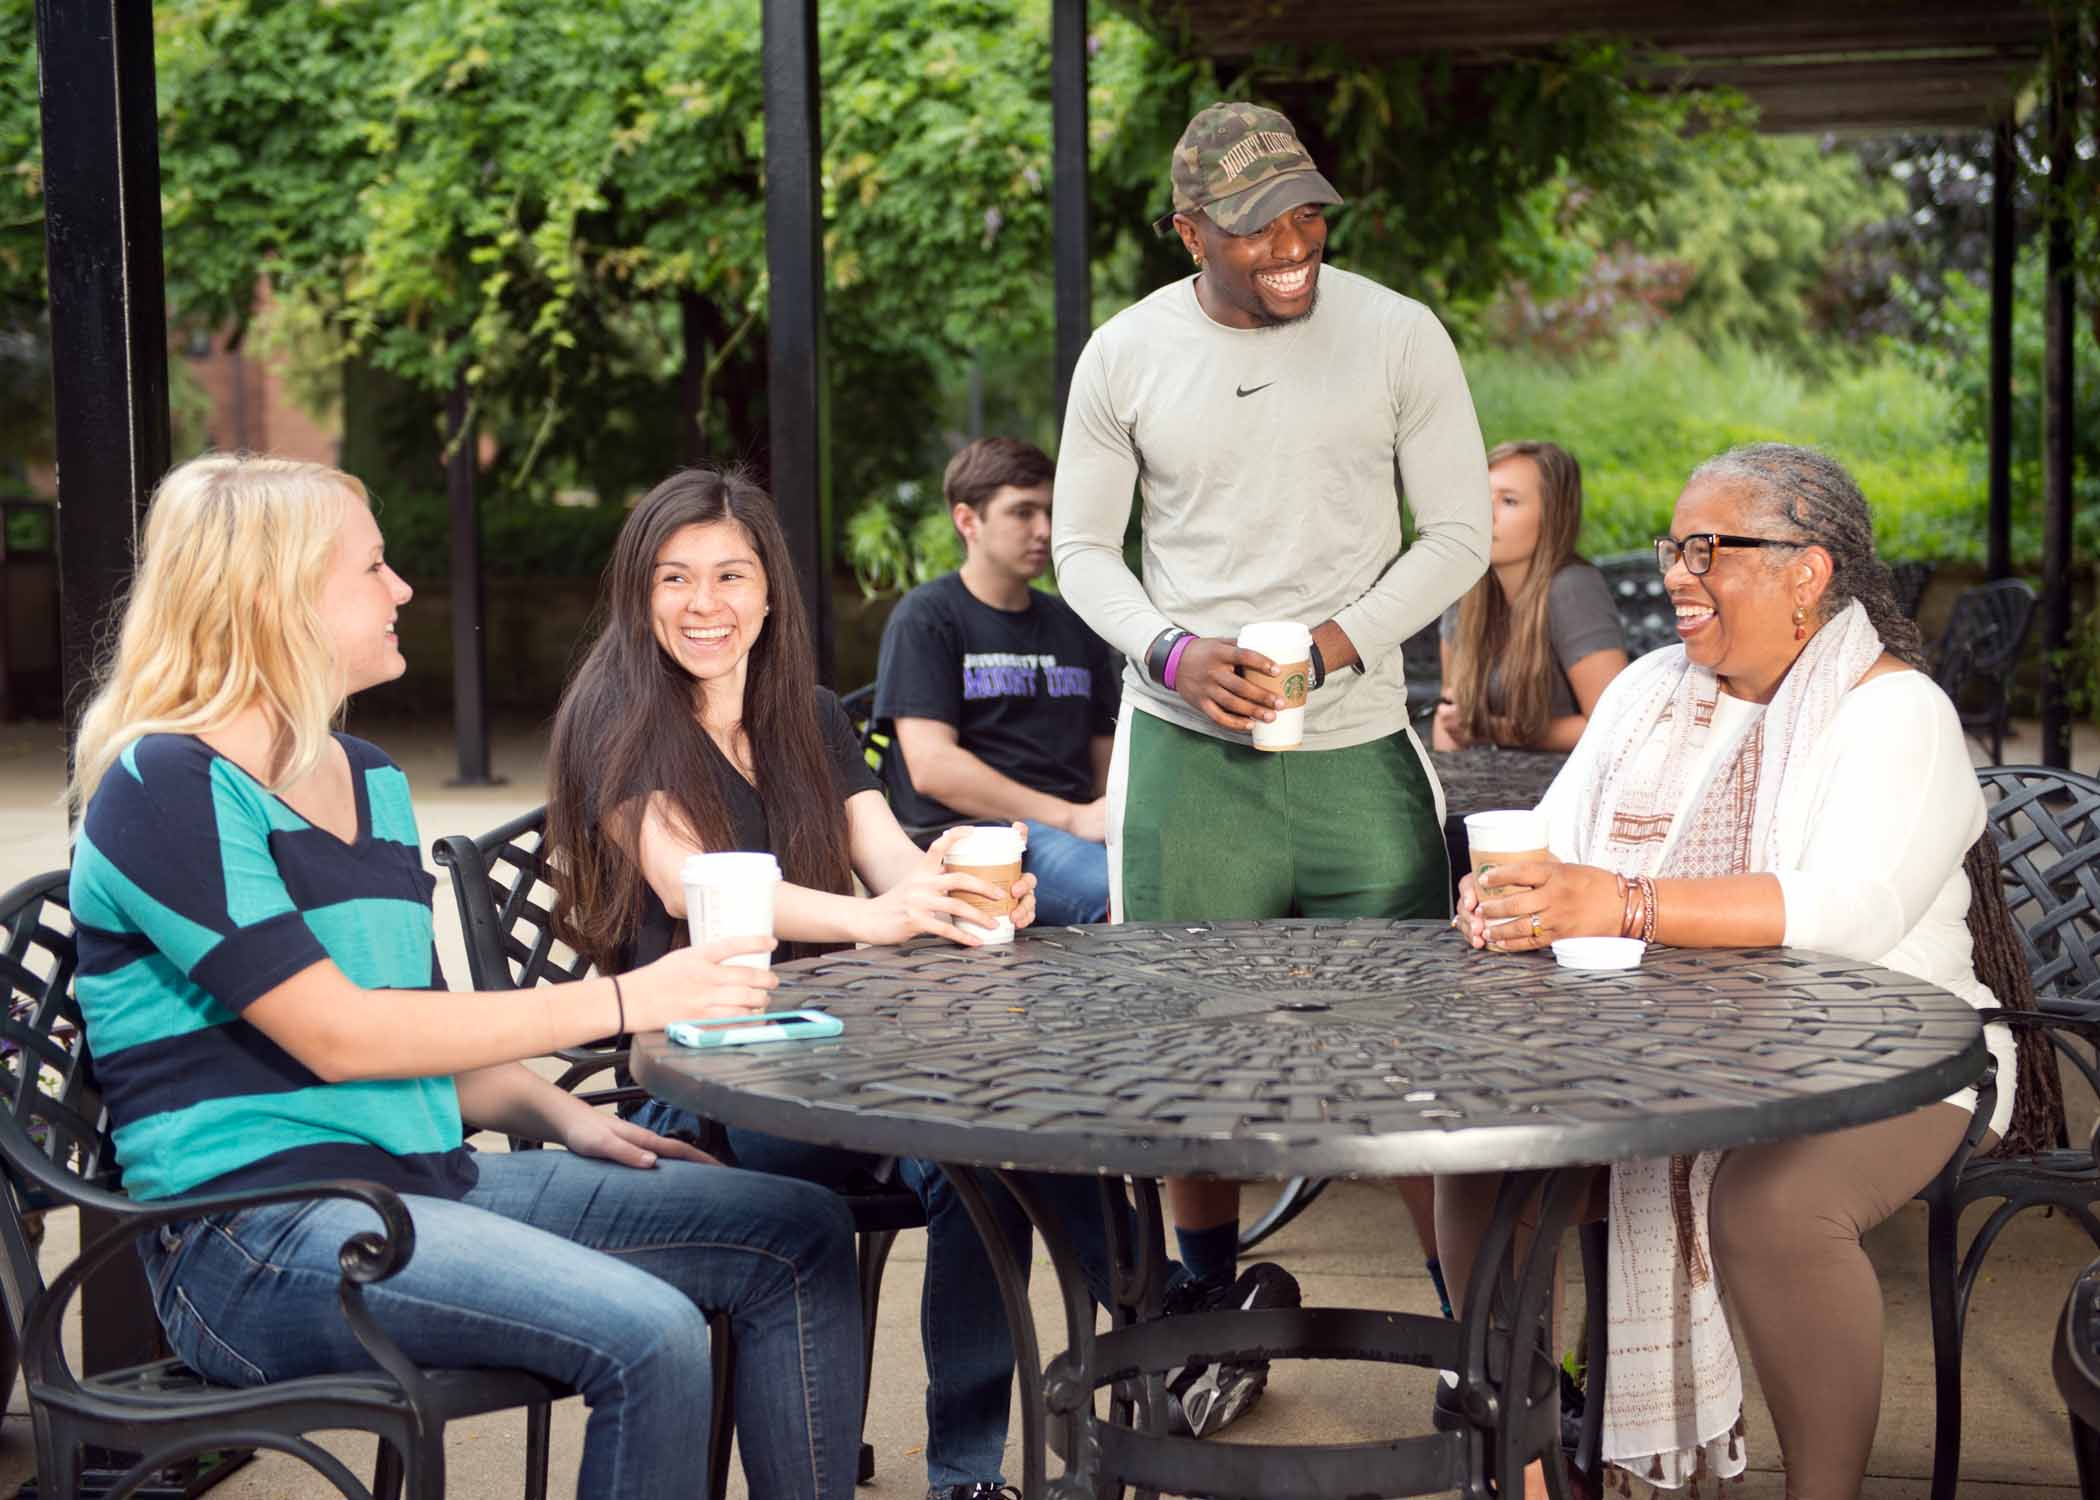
{"x": 1271, "y": 413}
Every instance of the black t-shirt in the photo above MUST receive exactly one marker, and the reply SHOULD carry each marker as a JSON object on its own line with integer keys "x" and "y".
{"x": 660, "y": 931}
{"x": 1026, "y": 689}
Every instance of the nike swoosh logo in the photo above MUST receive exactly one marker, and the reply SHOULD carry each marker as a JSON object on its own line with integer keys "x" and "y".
{"x": 1250, "y": 390}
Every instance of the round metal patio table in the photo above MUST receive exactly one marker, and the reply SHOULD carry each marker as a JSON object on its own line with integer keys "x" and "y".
{"x": 1312, "y": 1048}
{"x": 1474, "y": 780}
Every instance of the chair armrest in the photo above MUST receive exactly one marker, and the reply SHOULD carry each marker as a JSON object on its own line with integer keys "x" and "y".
{"x": 2087, "y": 1026}
{"x": 365, "y": 1257}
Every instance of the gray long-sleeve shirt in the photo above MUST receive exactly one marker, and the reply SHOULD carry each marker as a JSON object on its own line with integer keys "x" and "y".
{"x": 1271, "y": 463}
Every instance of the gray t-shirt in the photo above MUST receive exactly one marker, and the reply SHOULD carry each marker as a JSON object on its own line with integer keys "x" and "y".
{"x": 1581, "y": 620}
{"x": 1271, "y": 463}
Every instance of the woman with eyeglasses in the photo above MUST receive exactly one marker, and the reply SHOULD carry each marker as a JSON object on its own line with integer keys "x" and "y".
{"x": 1529, "y": 649}
{"x": 1789, "y": 777}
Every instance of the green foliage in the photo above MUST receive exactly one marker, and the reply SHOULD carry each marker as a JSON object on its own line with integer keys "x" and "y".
{"x": 1727, "y": 236}
{"x": 901, "y": 539}
{"x": 1641, "y": 417}
{"x": 521, "y": 536}
{"x": 1955, "y": 355}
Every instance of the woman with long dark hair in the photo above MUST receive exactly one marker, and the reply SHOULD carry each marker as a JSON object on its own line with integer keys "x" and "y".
{"x": 694, "y": 724}
{"x": 1531, "y": 647}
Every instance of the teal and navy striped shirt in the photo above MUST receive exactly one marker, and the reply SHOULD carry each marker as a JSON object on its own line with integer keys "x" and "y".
{"x": 195, "y": 890}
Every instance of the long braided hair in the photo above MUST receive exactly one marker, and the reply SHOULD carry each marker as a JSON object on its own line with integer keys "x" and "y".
{"x": 1812, "y": 493}
{"x": 2037, "y": 1122}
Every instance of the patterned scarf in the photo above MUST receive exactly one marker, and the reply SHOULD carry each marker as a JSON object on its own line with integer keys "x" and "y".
{"x": 1673, "y": 1397}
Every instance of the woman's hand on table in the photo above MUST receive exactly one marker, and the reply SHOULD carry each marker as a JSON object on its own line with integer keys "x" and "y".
{"x": 1568, "y": 901}
{"x": 929, "y": 899}
{"x": 689, "y": 982}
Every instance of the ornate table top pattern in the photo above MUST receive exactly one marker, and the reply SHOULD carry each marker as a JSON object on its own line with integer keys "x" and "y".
{"x": 1478, "y": 779}
{"x": 1288, "y": 1048}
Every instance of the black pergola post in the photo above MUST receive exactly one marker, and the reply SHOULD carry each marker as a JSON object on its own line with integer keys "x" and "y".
{"x": 797, "y": 431}
{"x": 2057, "y": 410}
{"x": 470, "y": 657}
{"x": 109, "y": 377}
{"x": 1068, "y": 188}
{"x": 2004, "y": 189}
{"x": 109, "y": 318}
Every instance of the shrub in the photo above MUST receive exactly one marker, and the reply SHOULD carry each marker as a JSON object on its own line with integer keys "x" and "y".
{"x": 1642, "y": 417}
{"x": 520, "y": 537}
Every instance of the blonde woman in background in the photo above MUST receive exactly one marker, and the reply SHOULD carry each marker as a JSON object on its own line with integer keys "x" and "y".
{"x": 1530, "y": 648}
{"x": 257, "y": 976}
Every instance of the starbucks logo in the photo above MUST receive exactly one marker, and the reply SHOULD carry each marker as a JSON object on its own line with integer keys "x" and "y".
{"x": 1294, "y": 688}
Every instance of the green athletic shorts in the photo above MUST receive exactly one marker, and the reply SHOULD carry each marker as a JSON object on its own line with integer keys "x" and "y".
{"x": 1213, "y": 830}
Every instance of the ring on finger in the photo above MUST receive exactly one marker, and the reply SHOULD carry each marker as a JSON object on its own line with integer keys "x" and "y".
{"x": 1537, "y": 928}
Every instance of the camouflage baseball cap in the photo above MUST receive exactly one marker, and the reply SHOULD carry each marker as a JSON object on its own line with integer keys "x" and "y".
{"x": 1244, "y": 165}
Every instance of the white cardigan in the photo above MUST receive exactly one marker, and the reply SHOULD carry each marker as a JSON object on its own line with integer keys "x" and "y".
{"x": 1883, "y": 810}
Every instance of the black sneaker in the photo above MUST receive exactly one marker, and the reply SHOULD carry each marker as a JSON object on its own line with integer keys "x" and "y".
{"x": 975, "y": 1492}
{"x": 1203, "y": 1398}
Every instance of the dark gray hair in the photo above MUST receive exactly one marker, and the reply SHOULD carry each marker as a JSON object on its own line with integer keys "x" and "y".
{"x": 1812, "y": 494}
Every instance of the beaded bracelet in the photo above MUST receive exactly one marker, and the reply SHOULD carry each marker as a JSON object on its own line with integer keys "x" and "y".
{"x": 1647, "y": 910}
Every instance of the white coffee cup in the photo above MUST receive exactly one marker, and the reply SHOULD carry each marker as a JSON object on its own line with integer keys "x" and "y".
{"x": 1289, "y": 645}
{"x": 1505, "y": 836}
{"x": 731, "y": 896}
{"x": 991, "y": 852}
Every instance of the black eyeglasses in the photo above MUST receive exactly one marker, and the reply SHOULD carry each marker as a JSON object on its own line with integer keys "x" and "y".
{"x": 1697, "y": 550}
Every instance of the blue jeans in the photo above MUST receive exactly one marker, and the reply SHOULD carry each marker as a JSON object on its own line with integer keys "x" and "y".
{"x": 592, "y": 1274}
{"x": 962, "y": 1322}
{"x": 1071, "y": 876}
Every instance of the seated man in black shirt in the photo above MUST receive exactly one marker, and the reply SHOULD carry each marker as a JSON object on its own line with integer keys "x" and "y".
{"x": 1000, "y": 701}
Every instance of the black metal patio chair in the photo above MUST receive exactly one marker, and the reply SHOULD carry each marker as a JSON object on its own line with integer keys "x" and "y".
{"x": 2075, "y": 1363}
{"x": 2040, "y": 860}
{"x": 1977, "y": 657}
{"x": 55, "y": 1149}
{"x": 1910, "y": 580}
{"x": 1645, "y": 612}
{"x": 506, "y": 910}
{"x": 886, "y": 759}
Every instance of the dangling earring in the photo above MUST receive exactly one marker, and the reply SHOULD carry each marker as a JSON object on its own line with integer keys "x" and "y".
{"x": 1800, "y": 622}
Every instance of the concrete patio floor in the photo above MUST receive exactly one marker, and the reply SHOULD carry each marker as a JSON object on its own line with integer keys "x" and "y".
{"x": 1354, "y": 1248}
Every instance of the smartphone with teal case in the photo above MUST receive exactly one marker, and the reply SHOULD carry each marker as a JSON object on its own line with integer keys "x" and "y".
{"x": 742, "y": 1031}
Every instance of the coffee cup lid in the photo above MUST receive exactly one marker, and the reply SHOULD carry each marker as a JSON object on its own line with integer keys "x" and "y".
{"x": 1527, "y": 825}
{"x": 1281, "y": 641}
{"x": 986, "y": 844}
{"x": 731, "y": 865}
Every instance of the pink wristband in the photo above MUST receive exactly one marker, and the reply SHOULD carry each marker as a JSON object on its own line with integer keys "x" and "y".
{"x": 1174, "y": 662}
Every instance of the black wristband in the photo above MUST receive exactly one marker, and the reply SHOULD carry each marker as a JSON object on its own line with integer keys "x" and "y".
{"x": 1319, "y": 666}
{"x": 1161, "y": 648}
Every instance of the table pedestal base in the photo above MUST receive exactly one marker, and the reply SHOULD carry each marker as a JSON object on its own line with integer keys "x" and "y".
{"x": 1505, "y": 1312}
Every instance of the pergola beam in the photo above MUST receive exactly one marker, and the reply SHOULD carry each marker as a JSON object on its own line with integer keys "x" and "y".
{"x": 109, "y": 316}
{"x": 109, "y": 377}
{"x": 1068, "y": 188}
{"x": 798, "y": 430}
{"x": 2057, "y": 410}
{"x": 2004, "y": 189}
